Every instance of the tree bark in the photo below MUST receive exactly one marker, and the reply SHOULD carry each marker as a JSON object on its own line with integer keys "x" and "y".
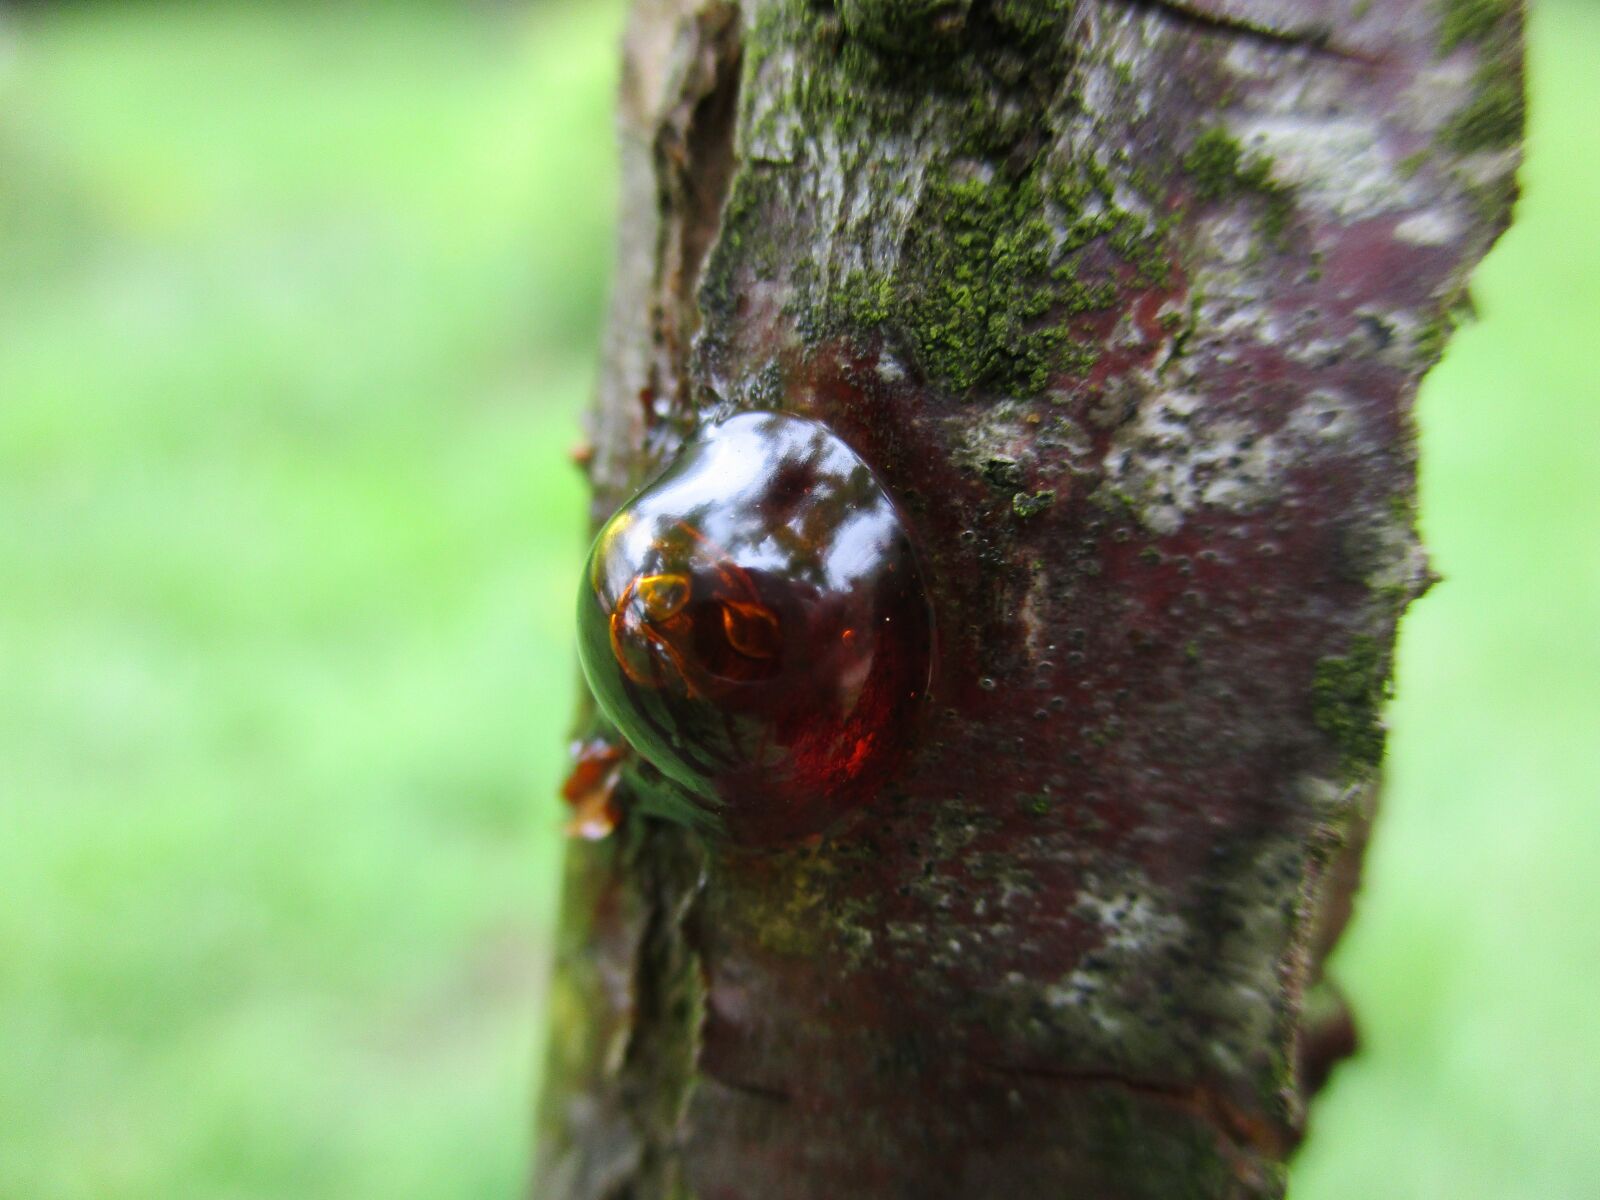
{"x": 1126, "y": 302}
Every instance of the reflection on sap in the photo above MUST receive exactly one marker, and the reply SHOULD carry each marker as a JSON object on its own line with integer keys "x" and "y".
{"x": 755, "y": 623}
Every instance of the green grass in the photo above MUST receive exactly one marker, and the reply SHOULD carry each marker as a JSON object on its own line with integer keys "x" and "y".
{"x": 297, "y": 307}
{"x": 1474, "y": 961}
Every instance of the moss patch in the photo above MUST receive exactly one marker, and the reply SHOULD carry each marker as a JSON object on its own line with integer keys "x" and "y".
{"x": 975, "y": 304}
{"x": 1026, "y": 504}
{"x": 1472, "y": 21}
{"x": 991, "y": 271}
{"x": 977, "y": 297}
{"x": 998, "y": 241}
{"x": 1492, "y": 118}
{"x": 1495, "y": 115}
{"x": 1347, "y": 696}
{"x": 1031, "y": 20}
{"x": 1221, "y": 169}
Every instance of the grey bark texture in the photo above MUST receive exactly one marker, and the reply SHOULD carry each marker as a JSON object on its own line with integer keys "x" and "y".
{"x": 1126, "y": 302}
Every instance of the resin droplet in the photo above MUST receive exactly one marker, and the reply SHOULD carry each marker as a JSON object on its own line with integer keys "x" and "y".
{"x": 596, "y": 768}
{"x": 755, "y": 623}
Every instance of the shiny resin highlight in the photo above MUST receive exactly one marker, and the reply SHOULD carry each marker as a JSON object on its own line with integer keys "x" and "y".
{"x": 755, "y": 624}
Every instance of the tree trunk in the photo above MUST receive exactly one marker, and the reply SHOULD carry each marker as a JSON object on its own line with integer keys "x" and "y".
{"x": 1125, "y": 301}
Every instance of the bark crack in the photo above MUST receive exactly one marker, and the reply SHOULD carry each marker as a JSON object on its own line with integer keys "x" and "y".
{"x": 694, "y": 163}
{"x": 1316, "y": 40}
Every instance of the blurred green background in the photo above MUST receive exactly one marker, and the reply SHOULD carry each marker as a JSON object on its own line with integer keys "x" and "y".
{"x": 298, "y": 305}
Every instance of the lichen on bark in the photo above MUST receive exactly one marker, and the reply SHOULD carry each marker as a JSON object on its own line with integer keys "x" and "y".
{"x": 1126, "y": 302}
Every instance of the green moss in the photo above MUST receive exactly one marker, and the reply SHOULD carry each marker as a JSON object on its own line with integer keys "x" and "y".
{"x": 1221, "y": 170}
{"x": 1471, "y": 20}
{"x": 1495, "y": 115}
{"x": 1005, "y": 243}
{"x": 1403, "y": 509}
{"x": 992, "y": 269}
{"x": 1396, "y": 597}
{"x": 1185, "y": 331}
{"x": 748, "y": 197}
{"x": 1492, "y": 199}
{"x": 1492, "y": 118}
{"x": 983, "y": 258}
{"x": 1025, "y": 504}
{"x": 868, "y": 299}
{"x": 1214, "y": 163}
{"x": 1411, "y": 164}
{"x": 1347, "y": 696}
{"x": 1031, "y": 20}
{"x": 1433, "y": 337}
{"x": 906, "y": 26}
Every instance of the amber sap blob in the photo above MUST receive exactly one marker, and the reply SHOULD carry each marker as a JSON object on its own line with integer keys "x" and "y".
{"x": 755, "y": 623}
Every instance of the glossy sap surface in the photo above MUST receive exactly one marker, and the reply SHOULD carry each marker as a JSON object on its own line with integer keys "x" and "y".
{"x": 755, "y": 624}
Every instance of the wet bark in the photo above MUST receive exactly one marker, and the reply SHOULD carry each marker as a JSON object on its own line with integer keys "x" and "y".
{"x": 1126, "y": 301}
